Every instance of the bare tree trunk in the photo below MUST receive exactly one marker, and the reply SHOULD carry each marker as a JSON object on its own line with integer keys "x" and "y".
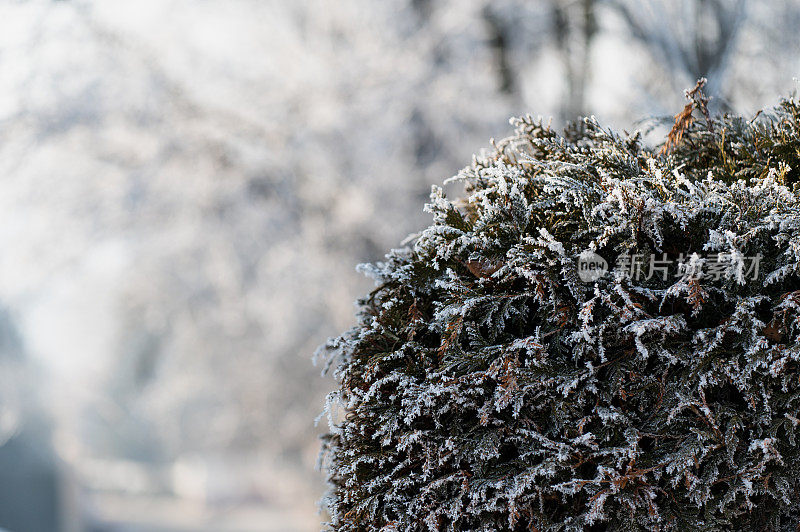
{"x": 695, "y": 41}
{"x": 498, "y": 40}
{"x": 575, "y": 25}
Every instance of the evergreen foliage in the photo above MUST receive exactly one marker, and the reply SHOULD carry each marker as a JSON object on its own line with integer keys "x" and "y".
{"x": 488, "y": 387}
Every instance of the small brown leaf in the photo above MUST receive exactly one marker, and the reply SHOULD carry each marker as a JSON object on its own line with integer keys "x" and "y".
{"x": 415, "y": 317}
{"x": 773, "y": 332}
{"x": 483, "y": 268}
{"x": 683, "y": 121}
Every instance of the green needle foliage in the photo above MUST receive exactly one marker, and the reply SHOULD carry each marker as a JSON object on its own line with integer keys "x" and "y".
{"x": 488, "y": 387}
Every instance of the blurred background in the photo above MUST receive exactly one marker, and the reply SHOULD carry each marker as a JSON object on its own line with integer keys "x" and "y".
{"x": 186, "y": 187}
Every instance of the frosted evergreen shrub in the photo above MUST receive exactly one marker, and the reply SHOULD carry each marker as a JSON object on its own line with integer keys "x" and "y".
{"x": 489, "y": 386}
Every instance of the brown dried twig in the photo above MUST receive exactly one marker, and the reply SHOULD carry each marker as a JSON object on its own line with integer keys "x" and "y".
{"x": 684, "y": 119}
